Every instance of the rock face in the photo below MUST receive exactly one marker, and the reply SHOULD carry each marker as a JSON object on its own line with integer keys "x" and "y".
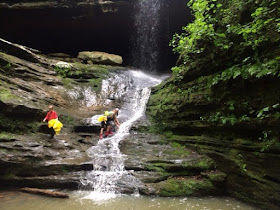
{"x": 240, "y": 149}
{"x": 169, "y": 169}
{"x": 225, "y": 103}
{"x": 100, "y": 58}
{"x": 29, "y": 83}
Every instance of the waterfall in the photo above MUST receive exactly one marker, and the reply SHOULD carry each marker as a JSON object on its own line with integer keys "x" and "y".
{"x": 109, "y": 177}
{"x": 145, "y": 41}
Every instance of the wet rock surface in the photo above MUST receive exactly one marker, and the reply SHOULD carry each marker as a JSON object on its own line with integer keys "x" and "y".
{"x": 157, "y": 163}
{"x": 30, "y": 82}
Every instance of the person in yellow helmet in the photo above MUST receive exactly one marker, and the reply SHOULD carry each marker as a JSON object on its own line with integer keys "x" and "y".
{"x": 109, "y": 118}
{"x": 112, "y": 118}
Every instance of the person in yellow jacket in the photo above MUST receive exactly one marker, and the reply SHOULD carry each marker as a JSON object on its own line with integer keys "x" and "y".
{"x": 53, "y": 122}
{"x": 107, "y": 121}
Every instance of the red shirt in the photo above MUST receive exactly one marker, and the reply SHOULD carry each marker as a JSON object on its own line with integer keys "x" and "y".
{"x": 51, "y": 115}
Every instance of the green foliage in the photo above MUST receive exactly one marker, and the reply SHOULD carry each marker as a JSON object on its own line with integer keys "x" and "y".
{"x": 267, "y": 140}
{"x": 229, "y": 27}
{"x": 64, "y": 72}
{"x": 240, "y": 161}
{"x": 219, "y": 117}
{"x": 257, "y": 70}
{"x": 267, "y": 111}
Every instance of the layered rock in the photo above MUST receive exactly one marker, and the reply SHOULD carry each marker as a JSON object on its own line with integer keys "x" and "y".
{"x": 30, "y": 82}
{"x": 169, "y": 169}
{"x": 242, "y": 148}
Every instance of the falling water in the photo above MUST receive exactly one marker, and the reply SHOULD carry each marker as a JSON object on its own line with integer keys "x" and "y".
{"x": 109, "y": 177}
{"x": 145, "y": 42}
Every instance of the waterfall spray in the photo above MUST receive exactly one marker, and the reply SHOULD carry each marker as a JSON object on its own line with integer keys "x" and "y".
{"x": 145, "y": 46}
{"x": 109, "y": 177}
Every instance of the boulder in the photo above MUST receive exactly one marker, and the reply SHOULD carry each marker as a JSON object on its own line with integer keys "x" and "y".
{"x": 62, "y": 64}
{"x": 100, "y": 58}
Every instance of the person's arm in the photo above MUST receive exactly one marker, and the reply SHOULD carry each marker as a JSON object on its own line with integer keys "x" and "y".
{"x": 116, "y": 121}
{"x": 47, "y": 116}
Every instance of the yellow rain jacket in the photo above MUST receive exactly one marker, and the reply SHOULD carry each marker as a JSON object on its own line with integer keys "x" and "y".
{"x": 56, "y": 125}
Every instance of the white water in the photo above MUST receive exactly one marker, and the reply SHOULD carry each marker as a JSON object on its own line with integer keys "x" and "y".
{"x": 145, "y": 41}
{"x": 112, "y": 89}
{"x": 109, "y": 177}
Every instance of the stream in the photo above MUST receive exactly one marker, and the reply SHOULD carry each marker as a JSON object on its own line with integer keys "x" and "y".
{"x": 22, "y": 201}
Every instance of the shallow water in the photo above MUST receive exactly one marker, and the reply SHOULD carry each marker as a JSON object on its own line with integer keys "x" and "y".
{"x": 82, "y": 200}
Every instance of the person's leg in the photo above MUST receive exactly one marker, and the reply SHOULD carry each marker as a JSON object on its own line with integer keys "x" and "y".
{"x": 111, "y": 129}
{"x": 101, "y": 133}
{"x": 101, "y": 130}
{"x": 108, "y": 129}
{"x": 52, "y": 133}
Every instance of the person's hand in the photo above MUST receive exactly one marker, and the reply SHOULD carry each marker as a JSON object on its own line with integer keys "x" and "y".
{"x": 44, "y": 120}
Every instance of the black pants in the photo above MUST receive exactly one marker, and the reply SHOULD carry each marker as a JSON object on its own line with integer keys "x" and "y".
{"x": 52, "y": 133}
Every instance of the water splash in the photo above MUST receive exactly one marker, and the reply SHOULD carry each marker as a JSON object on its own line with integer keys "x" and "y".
{"x": 109, "y": 177}
{"x": 112, "y": 89}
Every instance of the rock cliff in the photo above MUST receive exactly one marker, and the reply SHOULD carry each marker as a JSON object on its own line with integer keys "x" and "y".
{"x": 223, "y": 98}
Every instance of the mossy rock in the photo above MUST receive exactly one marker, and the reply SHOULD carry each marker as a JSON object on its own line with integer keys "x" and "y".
{"x": 217, "y": 176}
{"x": 185, "y": 187}
{"x": 6, "y": 95}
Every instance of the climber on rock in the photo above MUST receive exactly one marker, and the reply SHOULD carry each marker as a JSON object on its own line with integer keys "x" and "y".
{"x": 53, "y": 122}
{"x": 107, "y": 120}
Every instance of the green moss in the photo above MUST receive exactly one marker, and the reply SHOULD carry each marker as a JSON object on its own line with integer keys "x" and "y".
{"x": 17, "y": 125}
{"x": 154, "y": 167}
{"x": 201, "y": 165}
{"x": 67, "y": 82}
{"x": 5, "y": 135}
{"x": 185, "y": 187}
{"x": 6, "y": 95}
{"x": 205, "y": 164}
{"x": 217, "y": 177}
{"x": 179, "y": 150}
